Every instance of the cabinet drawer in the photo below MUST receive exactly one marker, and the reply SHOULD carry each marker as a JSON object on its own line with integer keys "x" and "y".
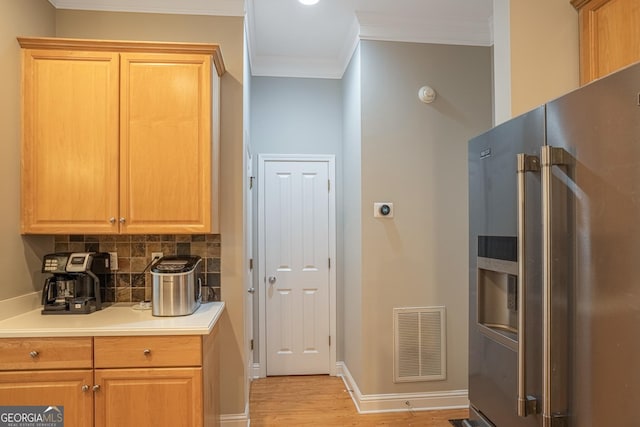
{"x": 152, "y": 351}
{"x": 45, "y": 353}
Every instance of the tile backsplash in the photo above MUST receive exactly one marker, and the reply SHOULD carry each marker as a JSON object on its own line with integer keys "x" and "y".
{"x": 129, "y": 283}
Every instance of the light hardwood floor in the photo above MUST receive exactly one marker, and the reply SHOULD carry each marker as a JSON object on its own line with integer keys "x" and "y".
{"x": 321, "y": 400}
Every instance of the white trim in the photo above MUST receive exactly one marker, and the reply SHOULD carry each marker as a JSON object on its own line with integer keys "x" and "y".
{"x": 330, "y": 159}
{"x": 501, "y": 62}
{"x": 296, "y": 66}
{"x": 351, "y": 43}
{"x": 255, "y": 371}
{"x": 396, "y": 402}
{"x": 190, "y": 7}
{"x": 469, "y": 32}
{"x": 235, "y": 420}
{"x": 19, "y": 305}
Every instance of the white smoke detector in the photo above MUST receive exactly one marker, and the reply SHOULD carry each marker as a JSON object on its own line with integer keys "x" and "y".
{"x": 427, "y": 94}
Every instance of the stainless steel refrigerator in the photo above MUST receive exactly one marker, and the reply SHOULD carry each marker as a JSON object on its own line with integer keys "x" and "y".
{"x": 554, "y": 324}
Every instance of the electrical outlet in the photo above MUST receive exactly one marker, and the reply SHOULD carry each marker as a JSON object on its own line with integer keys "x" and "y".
{"x": 156, "y": 255}
{"x": 113, "y": 260}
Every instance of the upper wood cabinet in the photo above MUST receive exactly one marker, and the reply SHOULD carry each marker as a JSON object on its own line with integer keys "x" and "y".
{"x": 119, "y": 137}
{"x": 609, "y": 36}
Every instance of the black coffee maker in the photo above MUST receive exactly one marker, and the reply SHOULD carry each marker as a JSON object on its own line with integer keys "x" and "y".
{"x": 76, "y": 284}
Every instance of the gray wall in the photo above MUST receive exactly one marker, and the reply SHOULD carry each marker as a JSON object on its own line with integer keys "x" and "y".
{"x": 415, "y": 155}
{"x": 390, "y": 147}
{"x": 20, "y": 257}
{"x": 351, "y": 297}
{"x": 296, "y": 116}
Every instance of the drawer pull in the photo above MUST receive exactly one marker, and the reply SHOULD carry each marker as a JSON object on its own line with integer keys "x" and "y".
{"x": 96, "y": 387}
{"x": 34, "y": 354}
{"x": 85, "y": 388}
{"x": 146, "y": 352}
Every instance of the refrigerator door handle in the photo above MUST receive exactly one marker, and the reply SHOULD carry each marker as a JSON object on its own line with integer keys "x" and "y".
{"x": 551, "y": 156}
{"x": 527, "y": 405}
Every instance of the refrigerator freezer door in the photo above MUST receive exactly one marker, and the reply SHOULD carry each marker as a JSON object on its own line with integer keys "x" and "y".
{"x": 599, "y": 126}
{"x": 493, "y": 307}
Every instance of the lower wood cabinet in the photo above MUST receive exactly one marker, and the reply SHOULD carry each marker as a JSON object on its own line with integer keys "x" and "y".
{"x": 156, "y": 381}
{"x": 149, "y": 397}
{"x": 160, "y": 381}
{"x": 62, "y": 388}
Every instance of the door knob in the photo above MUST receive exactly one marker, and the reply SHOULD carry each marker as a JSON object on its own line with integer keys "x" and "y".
{"x": 272, "y": 280}
{"x": 251, "y": 290}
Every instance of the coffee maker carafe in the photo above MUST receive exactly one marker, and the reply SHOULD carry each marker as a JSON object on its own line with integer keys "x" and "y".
{"x": 76, "y": 284}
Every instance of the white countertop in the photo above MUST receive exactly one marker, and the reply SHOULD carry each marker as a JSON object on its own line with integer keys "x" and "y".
{"x": 117, "y": 320}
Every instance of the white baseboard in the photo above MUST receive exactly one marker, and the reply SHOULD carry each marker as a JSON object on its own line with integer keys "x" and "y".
{"x": 255, "y": 371}
{"x": 236, "y": 420}
{"x": 428, "y": 401}
{"x": 396, "y": 402}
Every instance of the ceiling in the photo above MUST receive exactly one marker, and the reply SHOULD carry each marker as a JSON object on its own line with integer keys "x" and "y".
{"x": 286, "y": 38}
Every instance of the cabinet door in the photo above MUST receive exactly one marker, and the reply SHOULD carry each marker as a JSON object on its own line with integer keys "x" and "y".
{"x": 70, "y": 142}
{"x": 158, "y": 397}
{"x": 609, "y": 36}
{"x": 165, "y": 137}
{"x": 62, "y": 389}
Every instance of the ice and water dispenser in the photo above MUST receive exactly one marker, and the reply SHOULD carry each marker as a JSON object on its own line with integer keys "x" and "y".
{"x": 497, "y": 298}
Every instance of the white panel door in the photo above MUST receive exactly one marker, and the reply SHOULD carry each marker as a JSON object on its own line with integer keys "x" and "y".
{"x": 296, "y": 215}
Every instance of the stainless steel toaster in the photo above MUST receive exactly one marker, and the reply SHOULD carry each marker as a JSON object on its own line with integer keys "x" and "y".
{"x": 177, "y": 285}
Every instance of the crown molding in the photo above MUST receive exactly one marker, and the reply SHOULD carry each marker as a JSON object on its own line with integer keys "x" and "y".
{"x": 282, "y": 66}
{"x": 472, "y": 32}
{"x": 578, "y": 4}
{"x": 186, "y": 7}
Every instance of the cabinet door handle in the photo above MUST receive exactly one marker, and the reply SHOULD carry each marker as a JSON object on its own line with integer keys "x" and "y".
{"x": 34, "y": 354}
{"x": 112, "y": 220}
{"x": 96, "y": 387}
{"x": 146, "y": 352}
{"x": 122, "y": 220}
{"x": 85, "y": 388}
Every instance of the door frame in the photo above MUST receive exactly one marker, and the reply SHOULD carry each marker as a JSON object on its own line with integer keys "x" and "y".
{"x": 249, "y": 299}
{"x": 262, "y": 303}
